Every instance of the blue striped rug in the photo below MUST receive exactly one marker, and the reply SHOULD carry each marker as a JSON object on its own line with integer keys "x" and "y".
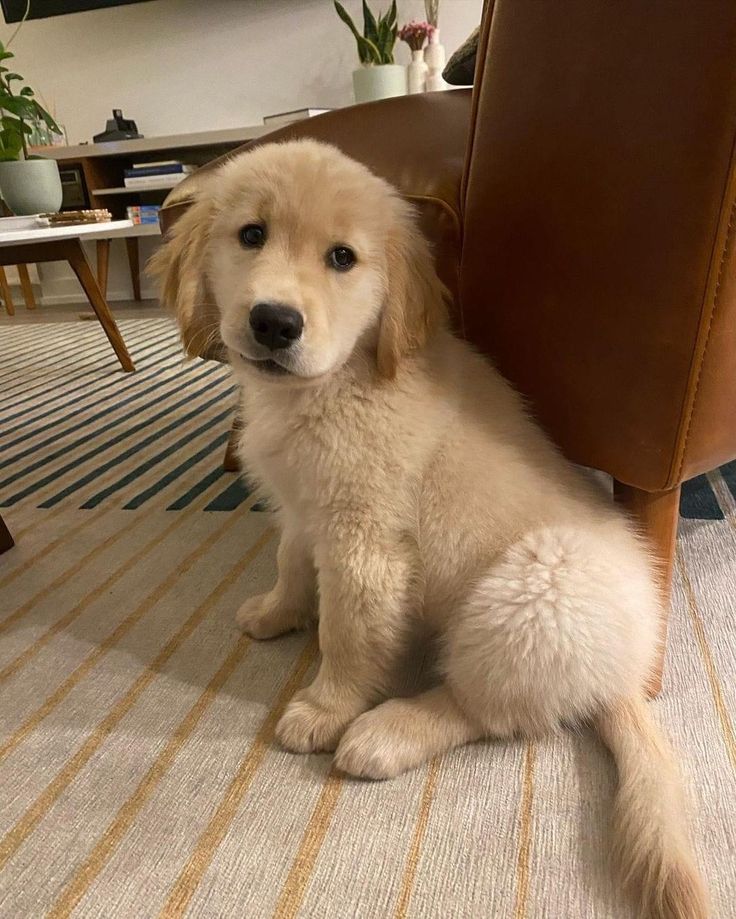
{"x": 77, "y": 432}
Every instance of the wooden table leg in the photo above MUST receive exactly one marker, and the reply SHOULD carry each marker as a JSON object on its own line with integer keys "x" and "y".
{"x": 231, "y": 462}
{"x": 131, "y": 244}
{"x": 76, "y": 259}
{"x": 103, "y": 264}
{"x": 7, "y": 298}
{"x": 6, "y": 540}
{"x": 27, "y": 287}
{"x": 657, "y": 514}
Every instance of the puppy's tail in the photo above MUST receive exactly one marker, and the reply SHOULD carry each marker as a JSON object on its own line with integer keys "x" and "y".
{"x": 650, "y": 837}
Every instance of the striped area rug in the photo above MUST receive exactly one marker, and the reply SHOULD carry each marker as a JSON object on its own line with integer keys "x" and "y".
{"x": 138, "y": 773}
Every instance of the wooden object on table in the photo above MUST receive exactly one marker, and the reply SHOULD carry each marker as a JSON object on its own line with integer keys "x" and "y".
{"x": 6, "y": 295}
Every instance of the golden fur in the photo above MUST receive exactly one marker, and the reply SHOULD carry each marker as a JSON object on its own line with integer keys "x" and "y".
{"x": 413, "y": 490}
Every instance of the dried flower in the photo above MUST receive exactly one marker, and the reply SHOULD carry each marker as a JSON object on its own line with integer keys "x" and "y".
{"x": 415, "y": 34}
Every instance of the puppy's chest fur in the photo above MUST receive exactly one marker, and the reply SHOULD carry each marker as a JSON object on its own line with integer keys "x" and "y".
{"x": 331, "y": 452}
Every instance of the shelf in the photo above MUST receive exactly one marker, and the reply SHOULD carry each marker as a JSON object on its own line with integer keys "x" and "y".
{"x": 227, "y": 136}
{"x": 130, "y": 191}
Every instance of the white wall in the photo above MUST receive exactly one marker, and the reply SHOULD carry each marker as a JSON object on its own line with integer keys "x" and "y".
{"x": 193, "y": 65}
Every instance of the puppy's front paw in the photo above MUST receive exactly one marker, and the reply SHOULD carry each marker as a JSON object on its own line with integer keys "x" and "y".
{"x": 380, "y": 744}
{"x": 260, "y": 617}
{"x": 306, "y": 727}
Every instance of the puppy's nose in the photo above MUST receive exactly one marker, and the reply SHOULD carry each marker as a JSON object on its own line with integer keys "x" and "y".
{"x": 276, "y": 325}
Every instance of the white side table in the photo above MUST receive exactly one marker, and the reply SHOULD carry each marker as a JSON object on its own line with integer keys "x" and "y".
{"x": 63, "y": 244}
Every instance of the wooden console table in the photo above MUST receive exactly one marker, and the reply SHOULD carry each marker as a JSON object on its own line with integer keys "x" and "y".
{"x": 102, "y": 168}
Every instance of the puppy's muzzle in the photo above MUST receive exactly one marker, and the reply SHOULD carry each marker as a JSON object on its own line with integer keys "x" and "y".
{"x": 275, "y": 325}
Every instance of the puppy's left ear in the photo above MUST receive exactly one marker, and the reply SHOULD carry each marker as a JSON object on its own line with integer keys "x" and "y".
{"x": 179, "y": 265}
{"x": 416, "y": 299}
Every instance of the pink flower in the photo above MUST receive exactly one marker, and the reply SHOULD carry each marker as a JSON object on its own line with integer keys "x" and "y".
{"x": 416, "y": 33}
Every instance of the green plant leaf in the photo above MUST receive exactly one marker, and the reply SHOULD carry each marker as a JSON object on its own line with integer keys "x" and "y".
{"x": 13, "y": 76}
{"x": 370, "y": 26}
{"x": 26, "y": 91}
{"x": 391, "y": 15}
{"x": 18, "y": 105}
{"x": 4, "y": 55}
{"x": 41, "y": 112}
{"x": 346, "y": 18}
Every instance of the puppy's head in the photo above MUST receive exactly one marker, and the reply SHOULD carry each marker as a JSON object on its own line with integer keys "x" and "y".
{"x": 299, "y": 256}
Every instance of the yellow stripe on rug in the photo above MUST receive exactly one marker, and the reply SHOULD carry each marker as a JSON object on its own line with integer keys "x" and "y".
{"x": 525, "y": 834}
{"x": 188, "y": 881}
{"x": 126, "y": 816}
{"x": 302, "y": 867}
{"x": 89, "y": 662}
{"x": 415, "y": 851}
{"x": 724, "y": 717}
{"x": 15, "y": 837}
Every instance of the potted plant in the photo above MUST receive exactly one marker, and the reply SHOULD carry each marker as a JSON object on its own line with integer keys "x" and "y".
{"x": 28, "y": 184}
{"x": 378, "y": 77}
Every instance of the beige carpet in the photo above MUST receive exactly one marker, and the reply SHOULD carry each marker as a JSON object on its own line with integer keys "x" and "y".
{"x": 138, "y": 773}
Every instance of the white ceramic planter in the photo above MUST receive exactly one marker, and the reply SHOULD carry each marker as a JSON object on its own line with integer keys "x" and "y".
{"x": 379, "y": 81}
{"x": 31, "y": 186}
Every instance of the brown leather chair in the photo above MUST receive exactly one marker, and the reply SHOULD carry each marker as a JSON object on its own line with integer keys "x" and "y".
{"x": 581, "y": 202}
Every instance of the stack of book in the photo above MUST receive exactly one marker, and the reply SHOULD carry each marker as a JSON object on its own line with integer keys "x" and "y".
{"x": 165, "y": 174}
{"x": 143, "y": 213}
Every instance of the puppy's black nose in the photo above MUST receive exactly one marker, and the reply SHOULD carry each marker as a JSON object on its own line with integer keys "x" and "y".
{"x": 276, "y": 325}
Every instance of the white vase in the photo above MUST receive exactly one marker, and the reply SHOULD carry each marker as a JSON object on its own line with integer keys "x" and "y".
{"x": 434, "y": 56}
{"x": 417, "y": 72}
{"x": 31, "y": 186}
{"x": 379, "y": 81}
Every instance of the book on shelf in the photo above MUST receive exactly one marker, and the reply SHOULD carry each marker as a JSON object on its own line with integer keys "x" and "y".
{"x": 158, "y": 169}
{"x": 297, "y": 115}
{"x": 157, "y": 181}
{"x": 142, "y": 214}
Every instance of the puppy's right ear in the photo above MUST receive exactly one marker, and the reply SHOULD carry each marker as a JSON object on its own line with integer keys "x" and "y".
{"x": 179, "y": 267}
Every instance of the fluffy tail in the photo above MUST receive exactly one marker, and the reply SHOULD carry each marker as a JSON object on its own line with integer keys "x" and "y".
{"x": 651, "y": 841}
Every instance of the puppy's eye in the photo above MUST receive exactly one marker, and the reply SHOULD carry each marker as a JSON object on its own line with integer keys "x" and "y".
{"x": 253, "y": 236}
{"x": 341, "y": 258}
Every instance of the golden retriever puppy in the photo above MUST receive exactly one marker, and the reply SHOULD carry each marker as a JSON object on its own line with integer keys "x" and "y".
{"x": 411, "y": 487}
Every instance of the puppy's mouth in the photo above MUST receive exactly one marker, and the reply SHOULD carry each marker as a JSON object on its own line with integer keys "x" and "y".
{"x": 267, "y": 366}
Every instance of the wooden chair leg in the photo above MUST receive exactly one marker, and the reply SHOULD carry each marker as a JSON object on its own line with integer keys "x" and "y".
{"x": 27, "y": 287}
{"x": 5, "y": 289}
{"x": 131, "y": 244}
{"x": 103, "y": 264}
{"x": 231, "y": 463}
{"x": 79, "y": 265}
{"x": 6, "y": 540}
{"x": 657, "y": 514}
